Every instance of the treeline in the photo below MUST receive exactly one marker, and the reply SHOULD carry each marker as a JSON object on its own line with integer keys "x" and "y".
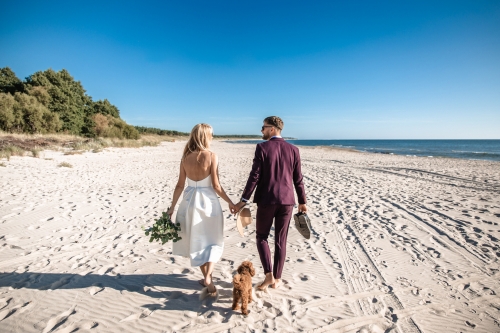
{"x": 157, "y": 131}
{"x": 238, "y": 136}
{"x": 51, "y": 102}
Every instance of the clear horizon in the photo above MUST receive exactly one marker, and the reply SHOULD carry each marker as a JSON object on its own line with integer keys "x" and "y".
{"x": 333, "y": 71}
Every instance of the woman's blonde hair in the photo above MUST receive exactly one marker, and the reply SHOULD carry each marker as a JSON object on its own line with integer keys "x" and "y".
{"x": 199, "y": 139}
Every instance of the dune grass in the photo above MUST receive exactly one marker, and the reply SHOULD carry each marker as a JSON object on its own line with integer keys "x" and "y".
{"x": 65, "y": 165}
{"x": 25, "y": 144}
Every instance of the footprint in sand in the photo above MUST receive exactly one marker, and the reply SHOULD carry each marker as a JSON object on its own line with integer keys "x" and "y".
{"x": 8, "y": 312}
{"x": 73, "y": 327}
{"x": 105, "y": 269}
{"x": 136, "y": 316}
{"x": 58, "y": 320}
{"x": 303, "y": 277}
{"x": 96, "y": 288}
{"x": 4, "y": 302}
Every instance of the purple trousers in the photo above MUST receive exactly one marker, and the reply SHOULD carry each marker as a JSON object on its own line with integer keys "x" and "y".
{"x": 281, "y": 214}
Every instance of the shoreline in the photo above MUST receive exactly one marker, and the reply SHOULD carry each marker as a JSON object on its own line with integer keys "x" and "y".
{"x": 333, "y": 147}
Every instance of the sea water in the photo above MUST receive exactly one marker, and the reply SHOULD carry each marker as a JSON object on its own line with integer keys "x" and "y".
{"x": 466, "y": 149}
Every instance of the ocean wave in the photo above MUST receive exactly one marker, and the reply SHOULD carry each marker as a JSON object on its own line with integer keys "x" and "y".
{"x": 341, "y": 146}
{"x": 477, "y": 152}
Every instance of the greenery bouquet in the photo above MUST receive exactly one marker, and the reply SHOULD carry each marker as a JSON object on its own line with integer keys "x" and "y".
{"x": 163, "y": 230}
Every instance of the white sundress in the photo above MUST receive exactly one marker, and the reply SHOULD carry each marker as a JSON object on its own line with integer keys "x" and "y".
{"x": 202, "y": 224}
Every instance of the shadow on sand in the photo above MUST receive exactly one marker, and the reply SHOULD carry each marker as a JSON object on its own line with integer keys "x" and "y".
{"x": 185, "y": 299}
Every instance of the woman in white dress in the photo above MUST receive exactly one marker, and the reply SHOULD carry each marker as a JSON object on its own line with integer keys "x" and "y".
{"x": 200, "y": 213}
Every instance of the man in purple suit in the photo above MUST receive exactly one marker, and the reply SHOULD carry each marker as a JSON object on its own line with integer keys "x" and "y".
{"x": 276, "y": 171}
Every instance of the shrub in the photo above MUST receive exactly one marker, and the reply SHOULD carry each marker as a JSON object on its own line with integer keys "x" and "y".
{"x": 101, "y": 124}
{"x": 35, "y": 152}
{"x": 130, "y": 132}
{"x": 65, "y": 165}
{"x": 74, "y": 152}
{"x": 9, "y": 151}
{"x": 7, "y": 117}
{"x": 108, "y": 126}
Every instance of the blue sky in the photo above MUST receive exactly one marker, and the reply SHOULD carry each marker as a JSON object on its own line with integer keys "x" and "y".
{"x": 330, "y": 69}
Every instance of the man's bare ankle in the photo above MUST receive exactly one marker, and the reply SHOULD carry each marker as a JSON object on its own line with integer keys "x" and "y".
{"x": 269, "y": 280}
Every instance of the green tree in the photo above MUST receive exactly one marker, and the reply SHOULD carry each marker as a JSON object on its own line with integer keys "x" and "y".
{"x": 31, "y": 116}
{"x": 41, "y": 94}
{"x": 9, "y": 83}
{"x": 105, "y": 107}
{"x": 68, "y": 98}
{"x": 7, "y": 117}
{"x": 50, "y": 101}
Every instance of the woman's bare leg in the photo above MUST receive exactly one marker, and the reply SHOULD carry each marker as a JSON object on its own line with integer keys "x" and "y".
{"x": 203, "y": 269}
{"x": 209, "y": 266}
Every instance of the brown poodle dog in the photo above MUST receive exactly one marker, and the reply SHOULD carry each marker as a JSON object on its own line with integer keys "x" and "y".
{"x": 242, "y": 287}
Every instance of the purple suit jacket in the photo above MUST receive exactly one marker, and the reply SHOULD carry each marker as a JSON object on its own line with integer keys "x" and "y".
{"x": 275, "y": 172}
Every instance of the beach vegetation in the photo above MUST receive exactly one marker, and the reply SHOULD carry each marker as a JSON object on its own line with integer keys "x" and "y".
{"x": 35, "y": 152}
{"x": 8, "y": 151}
{"x": 73, "y": 152}
{"x": 162, "y": 132}
{"x": 9, "y": 82}
{"x": 158, "y": 131}
{"x": 65, "y": 165}
{"x": 54, "y": 102}
{"x": 2, "y": 164}
{"x": 20, "y": 144}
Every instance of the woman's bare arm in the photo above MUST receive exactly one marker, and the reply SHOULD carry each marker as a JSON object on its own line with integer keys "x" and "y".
{"x": 178, "y": 189}
{"x": 216, "y": 183}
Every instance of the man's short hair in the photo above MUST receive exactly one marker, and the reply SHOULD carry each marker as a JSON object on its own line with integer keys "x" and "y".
{"x": 275, "y": 121}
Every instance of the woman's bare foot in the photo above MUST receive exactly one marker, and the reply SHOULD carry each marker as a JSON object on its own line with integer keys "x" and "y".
{"x": 269, "y": 280}
{"x": 202, "y": 281}
{"x": 276, "y": 284}
{"x": 212, "y": 291}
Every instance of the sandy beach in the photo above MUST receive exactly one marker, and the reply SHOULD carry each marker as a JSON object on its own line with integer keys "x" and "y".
{"x": 399, "y": 244}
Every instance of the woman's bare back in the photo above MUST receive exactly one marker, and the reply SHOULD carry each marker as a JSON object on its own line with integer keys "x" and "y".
{"x": 198, "y": 165}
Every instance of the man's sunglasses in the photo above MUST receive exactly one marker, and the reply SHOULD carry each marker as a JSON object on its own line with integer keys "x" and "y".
{"x": 266, "y": 126}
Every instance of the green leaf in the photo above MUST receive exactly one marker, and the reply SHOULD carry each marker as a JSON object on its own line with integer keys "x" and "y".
{"x": 163, "y": 230}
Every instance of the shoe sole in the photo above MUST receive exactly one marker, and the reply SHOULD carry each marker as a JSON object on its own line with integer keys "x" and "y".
{"x": 303, "y": 225}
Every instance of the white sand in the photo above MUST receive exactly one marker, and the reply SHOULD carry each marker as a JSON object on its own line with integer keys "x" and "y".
{"x": 400, "y": 244}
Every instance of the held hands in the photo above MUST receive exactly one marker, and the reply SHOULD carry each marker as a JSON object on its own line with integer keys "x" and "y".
{"x": 236, "y": 208}
{"x": 232, "y": 207}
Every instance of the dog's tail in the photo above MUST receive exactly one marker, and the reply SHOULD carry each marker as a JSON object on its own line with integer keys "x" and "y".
{"x": 237, "y": 280}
